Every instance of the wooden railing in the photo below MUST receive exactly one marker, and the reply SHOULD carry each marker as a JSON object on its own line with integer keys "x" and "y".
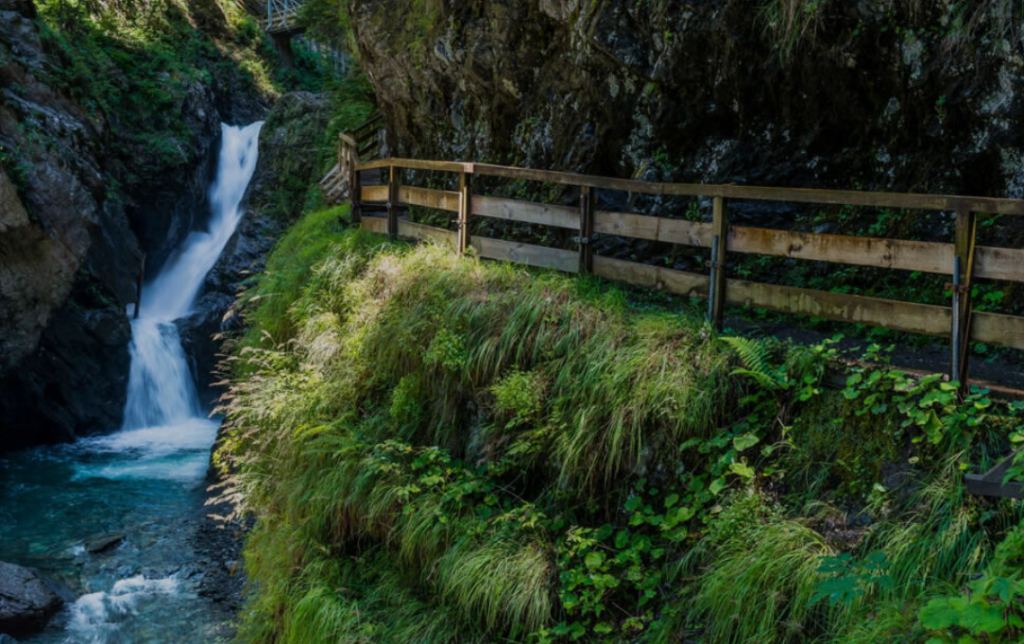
{"x": 961, "y": 259}
{"x": 353, "y": 146}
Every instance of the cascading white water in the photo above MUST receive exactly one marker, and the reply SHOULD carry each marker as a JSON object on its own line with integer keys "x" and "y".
{"x": 160, "y": 388}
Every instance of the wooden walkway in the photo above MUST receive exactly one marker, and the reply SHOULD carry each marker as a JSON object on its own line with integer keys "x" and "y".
{"x": 379, "y": 200}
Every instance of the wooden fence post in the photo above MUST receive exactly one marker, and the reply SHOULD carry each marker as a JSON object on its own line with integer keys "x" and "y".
{"x": 586, "y": 239}
{"x": 716, "y": 296}
{"x": 393, "y": 202}
{"x": 966, "y": 233}
{"x": 465, "y": 207}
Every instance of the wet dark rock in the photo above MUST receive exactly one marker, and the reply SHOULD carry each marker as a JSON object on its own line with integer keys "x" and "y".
{"x": 198, "y": 337}
{"x": 699, "y": 92}
{"x": 27, "y": 600}
{"x": 76, "y": 381}
{"x": 103, "y": 543}
{"x": 7, "y": 639}
{"x": 288, "y": 163}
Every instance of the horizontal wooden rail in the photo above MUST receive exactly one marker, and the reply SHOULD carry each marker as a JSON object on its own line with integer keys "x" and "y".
{"x": 412, "y": 164}
{"x": 525, "y": 211}
{"x": 374, "y": 193}
{"x": 438, "y": 199}
{"x": 925, "y": 319}
{"x": 375, "y": 224}
{"x": 411, "y": 230}
{"x": 989, "y": 205}
{"x": 529, "y": 254}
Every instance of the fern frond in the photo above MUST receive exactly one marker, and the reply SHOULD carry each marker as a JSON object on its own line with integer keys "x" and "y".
{"x": 754, "y": 354}
{"x": 767, "y": 381}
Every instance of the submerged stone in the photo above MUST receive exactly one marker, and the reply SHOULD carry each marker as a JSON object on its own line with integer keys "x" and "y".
{"x": 103, "y": 543}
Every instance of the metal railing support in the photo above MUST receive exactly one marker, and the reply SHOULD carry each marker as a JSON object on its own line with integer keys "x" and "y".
{"x": 716, "y": 291}
{"x": 393, "y": 202}
{"x": 586, "y": 238}
{"x": 465, "y": 208}
{"x": 963, "y": 270}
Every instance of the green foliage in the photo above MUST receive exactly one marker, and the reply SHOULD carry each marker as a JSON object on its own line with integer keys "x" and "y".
{"x": 17, "y": 169}
{"x": 137, "y": 65}
{"x": 991, "y": 609}
{"x": 441, "y": 449}
{"x": 760, "y": 586}
{"x": 790, "y": 22}
{"x": 520, "y": 397}
{"x": 288, "y": 270}
{"x": 848, "y": 580}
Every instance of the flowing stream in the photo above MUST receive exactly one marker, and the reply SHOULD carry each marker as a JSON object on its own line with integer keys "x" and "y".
{"x": 144, "y": 481}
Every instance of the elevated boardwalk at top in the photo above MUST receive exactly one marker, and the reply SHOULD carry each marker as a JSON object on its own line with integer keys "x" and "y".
{"x": 276, "y": 16}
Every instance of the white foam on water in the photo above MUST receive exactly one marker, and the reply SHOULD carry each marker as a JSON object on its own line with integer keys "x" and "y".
{"x": 97, "y": 618}
{"x": 153, "y": 442}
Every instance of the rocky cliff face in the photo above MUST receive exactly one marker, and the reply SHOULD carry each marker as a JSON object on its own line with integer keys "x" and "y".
{"x": 877, "y": 93}
{"x": 75, "y": 220}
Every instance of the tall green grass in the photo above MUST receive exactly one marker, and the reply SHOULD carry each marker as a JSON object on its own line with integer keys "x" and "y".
{"x": 441, "y": 449}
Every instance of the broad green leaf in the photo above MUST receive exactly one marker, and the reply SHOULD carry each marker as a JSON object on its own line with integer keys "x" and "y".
{"x": 746, "y": 441}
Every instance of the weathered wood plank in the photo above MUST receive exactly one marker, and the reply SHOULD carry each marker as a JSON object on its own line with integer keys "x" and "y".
{"x": 656, "y": 277}
{"x": 925, "y": 319}
{"x": 878, "y": 199}
{"x": 529, "y": 254}
{"x": 992, "y": 328}
{"x": 928, "y": 257}
{"x": 375, "y": 224}
{"x": 439, "y": 199}
{"x": 999, "y": 263}
{"x": 676, "y": 231}
{"x": 587, "y": 198}
{"x": 412, "y": 230}
{"x": 333, "y": 172}
{"x": 525, "y": 211}
{"x": 375, "y": 193}
{"x": 719, "y": 246}
{"x": 996, "y": 328}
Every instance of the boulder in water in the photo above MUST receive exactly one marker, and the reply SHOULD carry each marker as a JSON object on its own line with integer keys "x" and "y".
{"x": 27, "y": 600}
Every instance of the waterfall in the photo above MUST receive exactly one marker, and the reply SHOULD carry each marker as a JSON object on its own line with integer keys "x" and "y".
{"x": 161, "y": 392}
{"x": 141, "y": 481}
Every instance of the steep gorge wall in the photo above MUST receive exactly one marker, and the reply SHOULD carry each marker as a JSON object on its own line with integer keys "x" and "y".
{"x": 882, "y": 94}
{"x": 84, "y": 195}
